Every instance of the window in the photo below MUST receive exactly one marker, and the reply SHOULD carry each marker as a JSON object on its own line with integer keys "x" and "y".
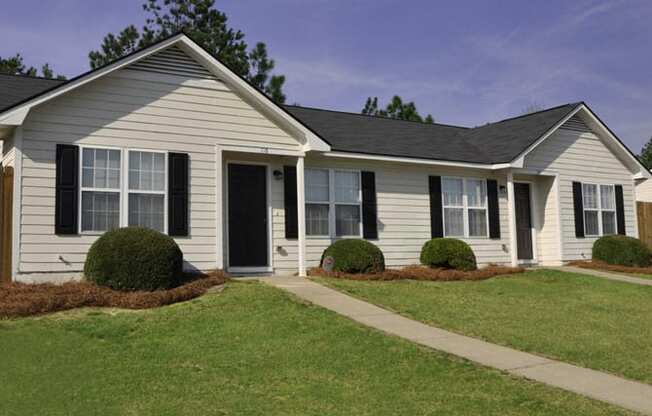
{"x": 332, "y": 203}
{"x": 465, "y": 207}
{"x": 100, "y": 189}
{"x": 146, "y": 205}
{"x": 599, "y": 203}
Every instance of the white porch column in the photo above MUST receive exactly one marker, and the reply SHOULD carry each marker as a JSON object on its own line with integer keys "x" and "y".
{"x": 511, "y": 215}
{"x": 301, "y": 216}
{"x": 219, "y": 210}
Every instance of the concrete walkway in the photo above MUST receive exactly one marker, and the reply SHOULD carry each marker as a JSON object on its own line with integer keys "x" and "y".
{"x": 604, "y": 275}
{"x": 601, "y": 386}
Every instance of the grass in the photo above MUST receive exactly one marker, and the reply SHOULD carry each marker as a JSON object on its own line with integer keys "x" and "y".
{"x": 249, "y": 350}
{"x": 580, "y": 319}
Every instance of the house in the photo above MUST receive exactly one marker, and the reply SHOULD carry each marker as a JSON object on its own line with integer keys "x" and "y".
{"x": 169, "y": 138}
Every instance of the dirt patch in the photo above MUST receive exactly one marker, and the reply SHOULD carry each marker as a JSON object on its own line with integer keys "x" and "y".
{"x": 422, "y": 273}
{"x": 22, "y": 299}
{"x": 599, "y": 265}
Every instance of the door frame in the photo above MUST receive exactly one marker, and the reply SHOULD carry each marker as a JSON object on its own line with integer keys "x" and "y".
{"x": 534, "y": 221}
{"x": 268, "y": 186}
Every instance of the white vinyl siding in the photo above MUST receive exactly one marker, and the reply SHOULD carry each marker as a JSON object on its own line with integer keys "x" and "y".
{"x": 137, "y": 108}
{"x": 403, "y": 209}
{"x": 582, "y": 157}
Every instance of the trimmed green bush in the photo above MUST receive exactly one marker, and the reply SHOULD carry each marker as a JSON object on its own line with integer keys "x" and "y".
{"x": 448, "y": 253}
{"x": 134, "y": 258}
{"x": 621, "y": 250}
{"x": 355, "y": 256}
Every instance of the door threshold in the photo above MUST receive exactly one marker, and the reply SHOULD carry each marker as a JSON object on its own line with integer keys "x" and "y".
{"x": 250, "y": 270}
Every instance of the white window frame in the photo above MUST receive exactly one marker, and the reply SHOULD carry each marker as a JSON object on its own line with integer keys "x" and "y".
{"x": 332, "y": 204}
{"x": 599, "y": 209}
{"x": 164, "y": 192}
{"x": 124, "y": 190}
{"x": 465, "y": 206}
{"x": 93, "y": 189}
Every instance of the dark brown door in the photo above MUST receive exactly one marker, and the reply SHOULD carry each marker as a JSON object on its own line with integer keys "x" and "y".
{"x": 523, "y": 221}
{"x": 248, "y": 216}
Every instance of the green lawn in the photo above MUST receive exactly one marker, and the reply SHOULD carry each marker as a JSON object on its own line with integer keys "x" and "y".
{"x": 249, "y": 350}
{"x": 576, "y": 318}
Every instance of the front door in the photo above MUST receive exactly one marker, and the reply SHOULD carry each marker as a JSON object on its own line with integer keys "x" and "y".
{"x": 247, "y": 207}
{"x": 523, "y": 221}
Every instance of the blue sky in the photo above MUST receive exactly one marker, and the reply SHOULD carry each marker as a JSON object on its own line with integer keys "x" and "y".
{"x": 465, "y": 62}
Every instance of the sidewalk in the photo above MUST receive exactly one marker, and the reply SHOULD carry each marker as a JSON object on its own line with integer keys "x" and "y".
{"x": 595, "y": 384}
{"x": 603, "y": 274}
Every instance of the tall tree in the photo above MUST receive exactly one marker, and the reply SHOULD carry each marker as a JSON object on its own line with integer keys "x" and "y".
{"x": 15, "y": 66}
{"x": 207, "y": 26}
{"x": 397, "y": 109}
{"x": 646, "y": 154}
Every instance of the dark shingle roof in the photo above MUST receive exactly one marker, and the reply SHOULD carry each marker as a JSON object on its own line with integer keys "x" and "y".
{"x": 492, "y": 143}
{"x": 498, "y": 142}
{"x": 17, "y": 88}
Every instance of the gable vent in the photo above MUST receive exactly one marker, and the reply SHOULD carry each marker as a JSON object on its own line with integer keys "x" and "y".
{"x": 576, "y": 124}
{"x": 172, "y": 61}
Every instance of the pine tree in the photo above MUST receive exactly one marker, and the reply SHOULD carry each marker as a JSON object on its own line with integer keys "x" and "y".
{"x": 396, "y": 109}
{"x": 206, "y": 25}
{"x": 646, "y": 154}
{"x": 15, "y": 66}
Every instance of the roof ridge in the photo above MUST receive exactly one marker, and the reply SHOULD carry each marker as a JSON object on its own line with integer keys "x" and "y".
{"x": 533, "y": 113}
{"x": 351, "y": 113}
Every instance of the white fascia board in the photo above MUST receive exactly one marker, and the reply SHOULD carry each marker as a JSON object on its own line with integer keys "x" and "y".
{"x": 17, "y": 115}
{"x": 417, "y": 161}
{"x": 519, "y": 161}
{"x": 264, "y": 103}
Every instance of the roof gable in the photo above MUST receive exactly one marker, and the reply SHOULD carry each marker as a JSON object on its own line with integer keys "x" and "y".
{"x": 15, "y": 115}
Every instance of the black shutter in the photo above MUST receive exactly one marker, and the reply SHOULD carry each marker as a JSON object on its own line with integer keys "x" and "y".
{"x": 436, "y": 220}
{"x": 578, "y": 207}
{"x": 67, "y": 189}
{"x": 178, "y": 166}
{"x": 620, "y": 209}
{"x": 290, "y": 201}
{"x": 494, "y": 210}
{"x": 369, "y": 211}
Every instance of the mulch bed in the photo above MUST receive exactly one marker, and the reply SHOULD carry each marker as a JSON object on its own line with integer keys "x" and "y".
{"x": 599, "y": 265}
{"x": 24, "y": 299}
{"x": 422, "y": 273}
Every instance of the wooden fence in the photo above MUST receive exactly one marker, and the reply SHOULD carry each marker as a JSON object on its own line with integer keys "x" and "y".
{"x": 6, "y": 209}
{"x": 644, "y": 213}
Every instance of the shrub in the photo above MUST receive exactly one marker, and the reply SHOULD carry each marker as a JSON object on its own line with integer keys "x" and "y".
{"x": 621, "y": 250}
{"x": 448, "y": 253}
{"x": 355, "y": 256}
{"x": 134, "y": 258}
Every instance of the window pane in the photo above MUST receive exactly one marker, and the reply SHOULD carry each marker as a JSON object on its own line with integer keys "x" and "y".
{"x": 100, "y": 211}
{"x": 347, "y": 186}
{"x": 591, "y": 223}
{"x": 316, "y": 219}
{"x": 454, "y": 222}
{"x": 589, "y": 195}
{"x": 146, "y": 210}
{"x": 607, "y": 199}
{"x": 347, "y": 220}
{"x": 147, "y": 171}
{"x": 316, "y": 185}
{"x": 608, "y": 222}
{"x": 477, "y": 223}
{"x": 452, "y": 191}
{"x": 476, "y": 192}
{"x": 100, "y": 168}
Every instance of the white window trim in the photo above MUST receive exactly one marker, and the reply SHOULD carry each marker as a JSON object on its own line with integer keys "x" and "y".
{"x": 465, "y": 207}
{"x": 124, "y": 190}
{"x": 599, "y": 209}
{"x": 164, "y": 192}
{"x": 332, "y": 204}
